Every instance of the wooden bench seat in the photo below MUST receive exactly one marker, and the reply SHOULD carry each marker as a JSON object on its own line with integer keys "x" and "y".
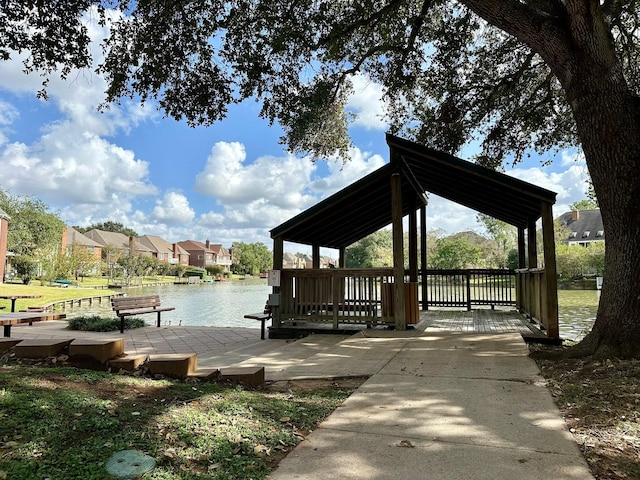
{"x": 262, "y": 317}
{"x": 17, "y": 318}
{"x": 132, "y": 306}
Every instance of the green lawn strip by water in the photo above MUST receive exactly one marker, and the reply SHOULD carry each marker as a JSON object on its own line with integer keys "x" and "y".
{"x": 47, "y": 295}
{"x": 50, "y": 294}
{"x": 60, "y": 423}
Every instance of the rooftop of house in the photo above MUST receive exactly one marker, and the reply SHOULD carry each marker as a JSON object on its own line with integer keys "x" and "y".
{"x": 74, "y": 236}
{"x": 585, "y": 225}
{"x": 159, "y": 244}
{"x": 218, "y": 249}
{"x": 105, "y": 238}
{"x": 191, "y": 245}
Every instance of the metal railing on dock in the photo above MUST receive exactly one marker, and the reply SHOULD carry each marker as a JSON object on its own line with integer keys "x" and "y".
{"x": 469, "y": 287}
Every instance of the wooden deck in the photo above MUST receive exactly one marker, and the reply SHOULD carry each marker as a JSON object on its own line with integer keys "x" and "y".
{"x": 480, "y": 320}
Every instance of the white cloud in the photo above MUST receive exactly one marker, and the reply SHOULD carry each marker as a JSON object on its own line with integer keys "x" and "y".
{"x": 277, "y": 181}
{"x": 211, "y": 219}
{"x": 570, "y": 184}
{"x": 450, "y": 217}
{"x": 341, "y": 174}
{"x": 254, "y": 197}
{"x": 66, "y": 166}
{"x": 569, "y": 158}
{"x": 366, "y": 102}
{"x": 173, "y": 209}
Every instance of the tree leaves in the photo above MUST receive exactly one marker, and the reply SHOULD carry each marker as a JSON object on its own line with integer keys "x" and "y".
{"x": 448, "y": 77}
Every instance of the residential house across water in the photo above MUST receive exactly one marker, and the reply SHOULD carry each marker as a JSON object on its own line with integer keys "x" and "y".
{"x": 206, "y": 254}
{"x": 585, "y": 226}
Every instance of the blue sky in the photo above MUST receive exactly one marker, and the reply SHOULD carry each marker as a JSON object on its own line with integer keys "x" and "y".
{"x": 229, "y": 182}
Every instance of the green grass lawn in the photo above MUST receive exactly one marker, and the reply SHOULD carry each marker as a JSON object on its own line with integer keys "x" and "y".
{"x": 64, "y": 424}
{"x": 48, "y": 294}
{"x": 84, "y": 288}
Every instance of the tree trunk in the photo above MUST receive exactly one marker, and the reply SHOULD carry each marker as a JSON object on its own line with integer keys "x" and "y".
{"x": 578, "y": 47}
{"x": 607, "y": 117}
{"x": 608, "y": 123}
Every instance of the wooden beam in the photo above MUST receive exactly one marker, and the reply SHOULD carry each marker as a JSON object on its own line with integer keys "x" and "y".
{"x": 423, "y": 254}
{"x": 341, "y": 255}
{"x": 550, "y": 305}
{"x": 413, "y": 181}
{"x": 398, "y": 250}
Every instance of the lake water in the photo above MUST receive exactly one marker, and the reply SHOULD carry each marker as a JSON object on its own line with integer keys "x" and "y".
{"x": 217, "y": 304}
{"x": 224, "y": 304}
{"x": 576, "y": 312}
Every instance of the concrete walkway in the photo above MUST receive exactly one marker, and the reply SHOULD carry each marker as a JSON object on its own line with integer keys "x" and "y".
{"x": 439, "y": 404}
{"x": 442, "y": 406}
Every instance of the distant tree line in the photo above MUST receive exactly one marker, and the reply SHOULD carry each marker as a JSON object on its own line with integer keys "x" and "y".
{"x": 498, "y": 249}
{"x": 108, "y": 226}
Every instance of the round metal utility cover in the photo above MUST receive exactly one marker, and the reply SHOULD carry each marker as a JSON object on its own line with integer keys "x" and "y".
{"x": 129, "y": 464}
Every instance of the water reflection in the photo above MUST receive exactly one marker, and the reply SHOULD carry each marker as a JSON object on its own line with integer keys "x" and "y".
{"x": 218, "y": 304}
{"x": 576, "y": 312}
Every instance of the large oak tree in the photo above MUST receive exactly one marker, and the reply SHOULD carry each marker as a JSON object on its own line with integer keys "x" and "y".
{"x": 514, "y": 75}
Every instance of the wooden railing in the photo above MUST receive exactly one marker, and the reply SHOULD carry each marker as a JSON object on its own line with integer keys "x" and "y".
{"x": 339, "y": 296}
{"x": 333, "y": 296}
{"x": 530, "y": 284}
{"x": 465, "y": 288}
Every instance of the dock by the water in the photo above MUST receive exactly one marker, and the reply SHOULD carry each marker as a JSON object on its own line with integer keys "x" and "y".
{"x": 443, "y": 319}
{"x": 478, "y": 320}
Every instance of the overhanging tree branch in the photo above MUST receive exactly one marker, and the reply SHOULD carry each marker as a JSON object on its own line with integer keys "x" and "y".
{"x": 341, "y": 31}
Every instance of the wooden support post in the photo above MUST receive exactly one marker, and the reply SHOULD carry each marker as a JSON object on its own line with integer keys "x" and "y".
{"x": 278, "y": 262}
{"x": 423, "y": 254}
{"x": 468, "y": 280}
{"x": 315, "y": 256}
{"x": 278, "y": 253}
{"x": 532, "y": 250}
{"x": 550, "y": 306}
{"x": 413, "y": 245}
{"x": 336, "y": 295}
{"x": 398, "y": 250}
{"x": 522, "y": 264}
{"x": 522, "y": 255}
{"x": 341, "y": 255}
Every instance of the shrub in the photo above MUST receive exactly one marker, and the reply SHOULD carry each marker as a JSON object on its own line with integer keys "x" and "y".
{"x": 103, "y": 324}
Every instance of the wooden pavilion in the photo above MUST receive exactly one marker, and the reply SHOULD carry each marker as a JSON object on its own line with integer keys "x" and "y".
{"x": 389, "y": 296}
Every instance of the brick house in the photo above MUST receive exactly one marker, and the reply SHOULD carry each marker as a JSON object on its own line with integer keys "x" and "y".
{"x": 162, "y": 250}
{"x": 71, "y": 237}
{"x": 221, "y": 256}
{"x": 205, "y": 254}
